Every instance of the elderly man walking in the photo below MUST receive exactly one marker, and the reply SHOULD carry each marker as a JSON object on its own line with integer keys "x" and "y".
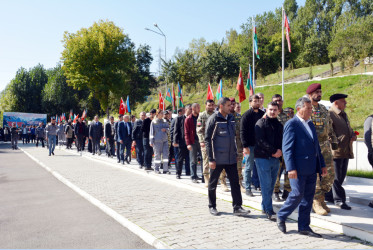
{"x": 303, "y": 160}
{"x": 344, "y": 151}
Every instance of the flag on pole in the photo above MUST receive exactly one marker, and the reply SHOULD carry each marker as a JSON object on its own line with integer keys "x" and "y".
{"x": 161, "y": 101}
{"x": 121, "y": 107}
{"x": 71, "y": 115}
{"x": 169, "y": 96}
{"x": 255, "y": 41}
{"x": 219, "y": 91}
{"x": 249, "y": 84}
{"x": 210, "y": 95}
{"x": 240, "y": 87}
{"x": 57, "y": 119}
{"x": 287, "y": 28}
{"x": 84, "y": 114}
{"x": 180, "y": 95}
{"x": 128, "y": 105}
{"x": 173, "y": 98}
{"x": 76, "y": 118}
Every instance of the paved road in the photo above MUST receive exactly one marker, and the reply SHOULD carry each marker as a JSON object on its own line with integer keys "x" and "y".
{"x": 38, "y": 211}
{"x": 178, "y": 217}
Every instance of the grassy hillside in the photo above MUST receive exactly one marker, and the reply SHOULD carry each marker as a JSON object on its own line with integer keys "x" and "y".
{"x": 359, "y": 88}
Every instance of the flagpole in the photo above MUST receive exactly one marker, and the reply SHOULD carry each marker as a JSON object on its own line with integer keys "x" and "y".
{"x": 283, "y": 54}
{"x": 253, "y": 76}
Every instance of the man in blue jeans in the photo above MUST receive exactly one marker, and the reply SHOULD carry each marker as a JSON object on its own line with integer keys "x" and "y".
{"x": 268, "y": 133}
{"x": 51, "y": 131}
{"x": 247, "y": 130}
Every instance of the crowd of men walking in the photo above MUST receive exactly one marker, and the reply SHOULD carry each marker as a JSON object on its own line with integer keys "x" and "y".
{"x": 311, "y": 149}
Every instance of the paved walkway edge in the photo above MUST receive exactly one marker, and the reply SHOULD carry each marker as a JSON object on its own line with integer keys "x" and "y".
{"x": 315, "y": 220}
{"x": 144, "y": 235}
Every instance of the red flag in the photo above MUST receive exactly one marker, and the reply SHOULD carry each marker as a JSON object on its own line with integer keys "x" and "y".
{"x": 287, "y": 28}
{"x": 210, "y": 95}
{"x": 240, "y": 87}
{"x": 84, "y": 115}
{"x": 173, "y": 98}
{"x": 161, "y": 101}
{"x": 121, "y": 107}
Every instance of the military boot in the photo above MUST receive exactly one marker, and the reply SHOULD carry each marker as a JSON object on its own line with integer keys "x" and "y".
{"x": 224, "y": 187}
{"x": 207, "y": 179}
{"x": 243, "y": 190}
{"x": 323, "y": 204}
{"x": 318, "y": 208}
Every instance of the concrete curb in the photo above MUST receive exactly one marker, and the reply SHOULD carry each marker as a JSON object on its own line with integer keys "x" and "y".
{"x": 144, "y": 235}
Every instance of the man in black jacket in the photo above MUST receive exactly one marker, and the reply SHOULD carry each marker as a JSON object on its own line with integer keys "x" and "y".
{"x": 137, "y": 137}
{"x": 148, "y": 150}
{"x": 79, "y": 131}
{"x": 222, "y": 153}
{"x": 180, "y": 112}
{"x": 179, "y": 142}
{"x": 109, "y": 135}
{"x": 248, "y": 121}
{"x": 268, "y": 143}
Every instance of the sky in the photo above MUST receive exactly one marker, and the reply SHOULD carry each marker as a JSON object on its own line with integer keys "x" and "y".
{"x": 31, "y": 31}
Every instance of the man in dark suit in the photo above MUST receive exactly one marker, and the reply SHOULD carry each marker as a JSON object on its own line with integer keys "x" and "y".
{"x": 109, "y": 135}
{"x": 303, "y": 160}
{"x": 95, "y": 134}
{"x": 116, "y": 136}
{"x": 125, "y": 139}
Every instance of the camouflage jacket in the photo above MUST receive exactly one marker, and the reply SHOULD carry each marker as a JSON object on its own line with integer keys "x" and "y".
{"x": 237, "y": 119}
{"x": 323, "y": 124}
{"x": 283, "y": 117}
{"x": 201, "y": 125}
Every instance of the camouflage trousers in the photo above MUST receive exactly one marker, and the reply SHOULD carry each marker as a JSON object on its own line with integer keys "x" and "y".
{"x": 223, "y": 175}
{"x": 286, "y": 178}
{"x": 205, "y": 160}
{"x": 326, "y": 182}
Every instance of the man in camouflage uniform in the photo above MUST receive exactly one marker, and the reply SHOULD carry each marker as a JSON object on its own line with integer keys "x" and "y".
{"x": 201, "y": 125}
{"x": 325, "y": 134}
{"x": 223, "y": 175}
{"x": 283, "y": 117}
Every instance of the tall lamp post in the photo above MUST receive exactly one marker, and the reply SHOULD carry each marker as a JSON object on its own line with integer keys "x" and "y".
{"x": 165, "y": 43}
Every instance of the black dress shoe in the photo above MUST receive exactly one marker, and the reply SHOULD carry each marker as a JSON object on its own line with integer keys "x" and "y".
{"x": 281, "y": 225}
{"x": 178, "y": 177}
{"x": 269, "y": 215}
{"x": 285, "y": 195}
{"x": 240, "y": 212}
{"x": 276, "y": 197}
{"x": 310, "y": 233}
{"x": 118, "y": 161}
{"x": 343, "y": 205}
{"x": 122, "y": 162}
{"x": 213, "y": 211}
{"x": 128, "y": 162}
{"x": 370, "y": 204}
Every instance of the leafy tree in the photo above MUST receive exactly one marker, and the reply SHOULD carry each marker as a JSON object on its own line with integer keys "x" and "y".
{"x": 99, "y": 58}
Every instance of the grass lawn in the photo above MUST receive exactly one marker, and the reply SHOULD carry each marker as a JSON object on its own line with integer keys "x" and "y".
{"x": 360, "y": 173}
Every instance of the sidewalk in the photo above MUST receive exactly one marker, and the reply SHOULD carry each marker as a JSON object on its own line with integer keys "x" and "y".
{"x": 175, "y": 212}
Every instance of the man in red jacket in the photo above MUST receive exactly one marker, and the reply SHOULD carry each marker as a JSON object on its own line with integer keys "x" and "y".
{"x": 191, "y": 139}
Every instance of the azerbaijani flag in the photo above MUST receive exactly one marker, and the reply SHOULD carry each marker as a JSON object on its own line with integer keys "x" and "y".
{"x": 128, "y": 105}
{"x": 219, "y": 91}
{"x": 255, "y": 41}
{"x": 173, "y": 98}
{"x": 169, "y": 96}
{"x": 249, "y": 84}
{"x": 181, "y": 102}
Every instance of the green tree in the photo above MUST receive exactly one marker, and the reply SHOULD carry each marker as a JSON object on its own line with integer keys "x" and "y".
{"x": 99, "y": 58}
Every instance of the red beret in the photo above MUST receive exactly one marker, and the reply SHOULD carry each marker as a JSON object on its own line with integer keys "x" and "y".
{"x": 232, "y": 99}
{"x": 313, "y": 87}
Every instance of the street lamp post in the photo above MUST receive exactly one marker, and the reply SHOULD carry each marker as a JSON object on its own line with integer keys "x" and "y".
{"x": 165, "y": 43}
